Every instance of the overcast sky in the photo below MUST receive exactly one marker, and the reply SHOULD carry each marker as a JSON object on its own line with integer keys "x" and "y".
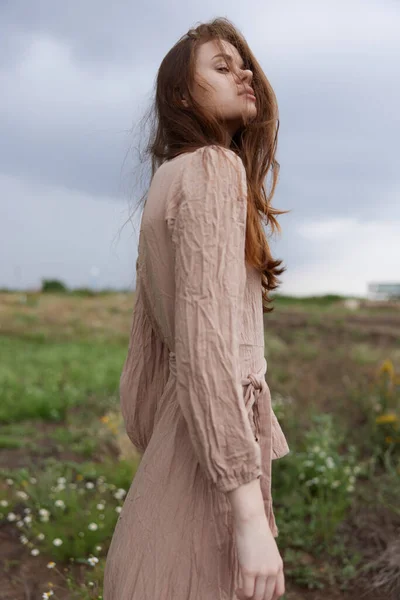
{"x": 75, "y": 78}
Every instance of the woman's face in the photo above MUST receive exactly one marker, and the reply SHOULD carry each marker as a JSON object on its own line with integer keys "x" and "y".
{"x": 227, "y": 82}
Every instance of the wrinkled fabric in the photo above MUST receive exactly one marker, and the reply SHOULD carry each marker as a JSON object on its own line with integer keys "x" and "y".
{"x": 193, "y": 392}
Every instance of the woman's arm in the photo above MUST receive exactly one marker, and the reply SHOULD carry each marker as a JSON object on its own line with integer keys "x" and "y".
{"x": 209, "y": 238}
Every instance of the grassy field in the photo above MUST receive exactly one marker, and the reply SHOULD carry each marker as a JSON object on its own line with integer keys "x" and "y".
{"x": 66, "y": 462}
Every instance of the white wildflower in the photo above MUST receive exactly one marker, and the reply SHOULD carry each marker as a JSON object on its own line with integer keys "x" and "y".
{"x": 57, "y": 542}
{"x": 22, "y": 495}
{"x": 44, "y": 514}
{"x": 330, "y": 463}
{"x": 312, "y": 481}
{"x": 119, "y": 494}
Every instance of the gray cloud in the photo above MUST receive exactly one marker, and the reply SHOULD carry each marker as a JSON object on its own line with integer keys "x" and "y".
{"x": 76, "y": 78}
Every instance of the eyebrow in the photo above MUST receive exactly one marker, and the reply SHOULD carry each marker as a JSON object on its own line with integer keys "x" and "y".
{"x": 227, "y": 56}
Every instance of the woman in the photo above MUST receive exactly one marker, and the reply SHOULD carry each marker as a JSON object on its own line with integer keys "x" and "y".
{"x": 197, "y": 522}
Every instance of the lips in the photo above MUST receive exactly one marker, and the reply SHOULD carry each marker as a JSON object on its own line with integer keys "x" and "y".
{"x": 248, "y": 91}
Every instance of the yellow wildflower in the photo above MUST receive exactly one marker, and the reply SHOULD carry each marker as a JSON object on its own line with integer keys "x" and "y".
{"x": 387, "y": 418}
{"x": 387, "y": 367}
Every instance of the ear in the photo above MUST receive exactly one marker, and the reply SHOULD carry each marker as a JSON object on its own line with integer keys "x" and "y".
{"x": 181, "y": 96}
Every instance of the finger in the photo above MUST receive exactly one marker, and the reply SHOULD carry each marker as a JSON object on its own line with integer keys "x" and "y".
{"x": 260, "y": 587}
{"x": 248, "y": 586}
{"x": 270, "y": 588}
{"x": 280, "y": 586}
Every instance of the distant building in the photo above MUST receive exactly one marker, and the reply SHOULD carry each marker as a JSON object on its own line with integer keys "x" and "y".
{"x": 384, "y": 291}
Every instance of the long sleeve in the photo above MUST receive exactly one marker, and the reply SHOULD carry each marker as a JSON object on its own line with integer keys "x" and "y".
{"x": 210, "y": 274}
{"x": 144, "y": 374}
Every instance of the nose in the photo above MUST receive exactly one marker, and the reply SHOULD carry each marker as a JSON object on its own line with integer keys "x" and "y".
{"x": 248, "y": 74}
{"x": 245, "y": 77}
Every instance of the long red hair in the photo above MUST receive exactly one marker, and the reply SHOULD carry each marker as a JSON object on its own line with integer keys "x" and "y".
{"x": 176, "y": 129}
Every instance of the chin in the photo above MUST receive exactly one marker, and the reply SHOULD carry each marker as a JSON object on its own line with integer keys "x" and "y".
{"x": 250, "y": 113}
{"x": 251, "y": 108}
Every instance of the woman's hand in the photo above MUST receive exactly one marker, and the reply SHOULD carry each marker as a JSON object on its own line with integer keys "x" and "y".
{"x": 261, "y": 565}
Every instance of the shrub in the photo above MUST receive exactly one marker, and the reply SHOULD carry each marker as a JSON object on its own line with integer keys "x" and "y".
{"x": 53, "y": 285}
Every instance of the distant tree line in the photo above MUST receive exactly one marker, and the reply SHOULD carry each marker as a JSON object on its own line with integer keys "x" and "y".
{"x": 56, "y": 286}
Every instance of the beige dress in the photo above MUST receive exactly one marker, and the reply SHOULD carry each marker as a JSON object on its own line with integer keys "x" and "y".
{"x": 193, "y": 392}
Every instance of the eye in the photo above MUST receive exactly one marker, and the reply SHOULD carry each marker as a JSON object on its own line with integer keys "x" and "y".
{"x": 219, "y": 68}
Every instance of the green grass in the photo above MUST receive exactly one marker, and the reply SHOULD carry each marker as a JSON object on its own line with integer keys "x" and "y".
{"x": 44, "y": 380}
{"x": 60, "y": 365}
